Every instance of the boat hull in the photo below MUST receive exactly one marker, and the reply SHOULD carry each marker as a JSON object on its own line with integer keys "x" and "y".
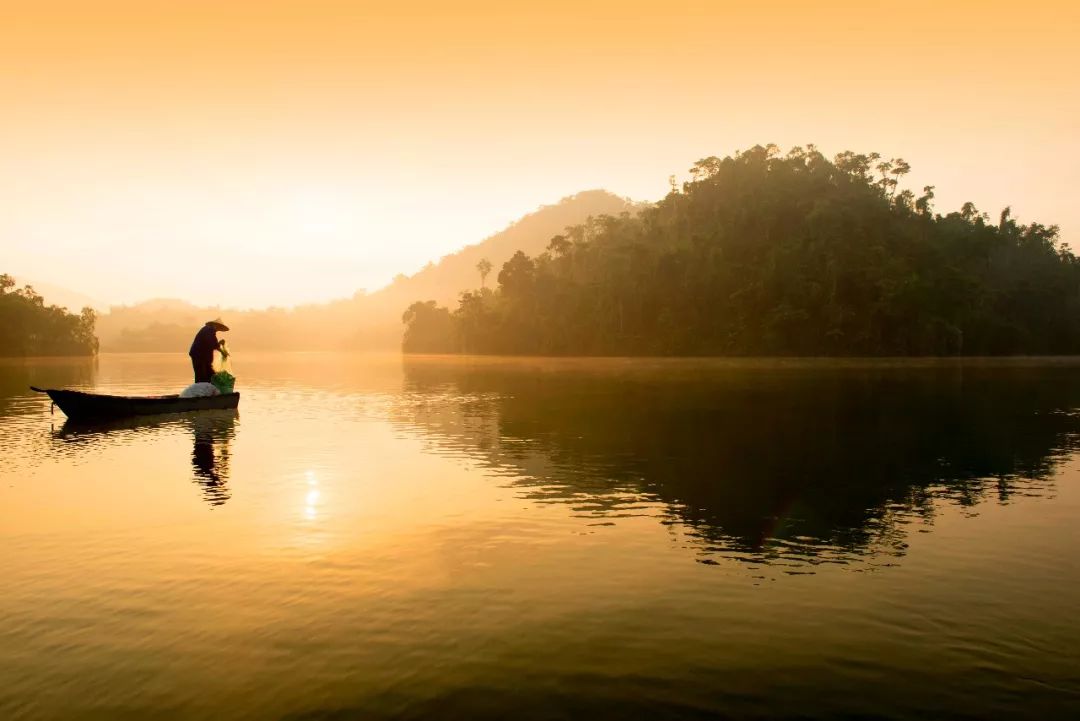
{"x": 78, "y": 405}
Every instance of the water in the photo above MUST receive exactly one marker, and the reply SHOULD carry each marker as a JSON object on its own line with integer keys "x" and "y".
{"x": 372, "y": 537}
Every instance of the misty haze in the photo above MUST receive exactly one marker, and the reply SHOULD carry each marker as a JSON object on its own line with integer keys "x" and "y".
{"x": 581, "y": 360}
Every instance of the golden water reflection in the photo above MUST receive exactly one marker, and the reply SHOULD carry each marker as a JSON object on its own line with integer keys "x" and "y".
{"x": 211, "y": 434}
{"x": 477, "y": 540}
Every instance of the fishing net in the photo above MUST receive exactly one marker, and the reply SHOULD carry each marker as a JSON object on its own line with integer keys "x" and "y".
{"x": 223, "y": 380}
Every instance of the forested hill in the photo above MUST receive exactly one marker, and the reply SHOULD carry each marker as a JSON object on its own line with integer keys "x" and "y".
{"x": 770, "y": 254}
{"x": 362, "y": 321}
{"x": 28, "y": 327}
{"x": 378, "y": 319}
{"x": 444, "y": 280}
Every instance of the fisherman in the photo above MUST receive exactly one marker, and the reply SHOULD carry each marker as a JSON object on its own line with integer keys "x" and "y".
{"x": 203, "y": 347}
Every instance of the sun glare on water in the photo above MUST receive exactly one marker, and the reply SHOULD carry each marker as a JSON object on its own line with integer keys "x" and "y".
{"x": 311, "y": 500}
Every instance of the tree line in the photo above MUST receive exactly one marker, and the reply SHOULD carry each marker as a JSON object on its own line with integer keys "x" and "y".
{"x": 761, "y": 253}
{"x": 28, "y": 327}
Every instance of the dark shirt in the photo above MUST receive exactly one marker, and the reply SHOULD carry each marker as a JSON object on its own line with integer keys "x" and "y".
{"x": 204, "y": 345}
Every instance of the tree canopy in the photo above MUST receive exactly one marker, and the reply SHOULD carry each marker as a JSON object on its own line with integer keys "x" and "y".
{"x": 28, "y": 327}
{"x": 770, "y": 254}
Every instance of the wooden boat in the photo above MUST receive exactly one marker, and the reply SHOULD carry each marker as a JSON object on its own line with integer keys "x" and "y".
{"x": 78, "y": 405}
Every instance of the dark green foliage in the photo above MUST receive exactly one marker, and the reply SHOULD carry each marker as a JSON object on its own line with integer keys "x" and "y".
{"x": 827, "y": 449}
{"x": 30, "y": 328}
{"x": 784, "y": 255}
{"x": 429, "y": 328}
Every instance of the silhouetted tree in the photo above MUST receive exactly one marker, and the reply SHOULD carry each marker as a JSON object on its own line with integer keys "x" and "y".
{"x": 30, "y": 328}
{"x": 429, "y": 329}
{"x": 484, "y": 266}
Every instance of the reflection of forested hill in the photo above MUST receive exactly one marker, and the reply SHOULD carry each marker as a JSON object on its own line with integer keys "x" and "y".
{"x": 821, "y": 456}
{"x": 16, "y": 377}
{"x": 363, "y": 321}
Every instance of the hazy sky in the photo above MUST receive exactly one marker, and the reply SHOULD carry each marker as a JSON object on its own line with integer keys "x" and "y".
{"x": 255, "y": 153}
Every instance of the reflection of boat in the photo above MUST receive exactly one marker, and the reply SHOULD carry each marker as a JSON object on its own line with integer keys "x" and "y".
{"x": 212, "y": 432}
{"x": 75, "y": 429}
{"x": 79, "y": 405}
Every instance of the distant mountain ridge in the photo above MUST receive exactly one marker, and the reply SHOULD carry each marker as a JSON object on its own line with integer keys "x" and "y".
{"x": 365, "y": 320}
{"x": 442, "y": 281}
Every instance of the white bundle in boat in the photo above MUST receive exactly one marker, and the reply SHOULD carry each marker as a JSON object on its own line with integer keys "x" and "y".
{"x": 200, "y": 390}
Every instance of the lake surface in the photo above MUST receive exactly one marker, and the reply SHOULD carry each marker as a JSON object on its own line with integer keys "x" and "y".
{"x": 389, "y": 538}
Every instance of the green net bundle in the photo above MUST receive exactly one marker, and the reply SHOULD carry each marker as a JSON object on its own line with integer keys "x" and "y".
{"x": 223, "y": 381}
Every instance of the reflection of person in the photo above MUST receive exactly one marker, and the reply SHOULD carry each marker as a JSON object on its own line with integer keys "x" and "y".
{"x": 212, "y": 472}
{"x": 203, "y": 347}
{"x": 202, "y": 457}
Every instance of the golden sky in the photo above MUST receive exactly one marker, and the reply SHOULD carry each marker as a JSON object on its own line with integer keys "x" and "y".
{"x": 256, "y": 153}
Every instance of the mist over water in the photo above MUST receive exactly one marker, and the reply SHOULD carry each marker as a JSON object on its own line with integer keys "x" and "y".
{"x": 421, "y": 537}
